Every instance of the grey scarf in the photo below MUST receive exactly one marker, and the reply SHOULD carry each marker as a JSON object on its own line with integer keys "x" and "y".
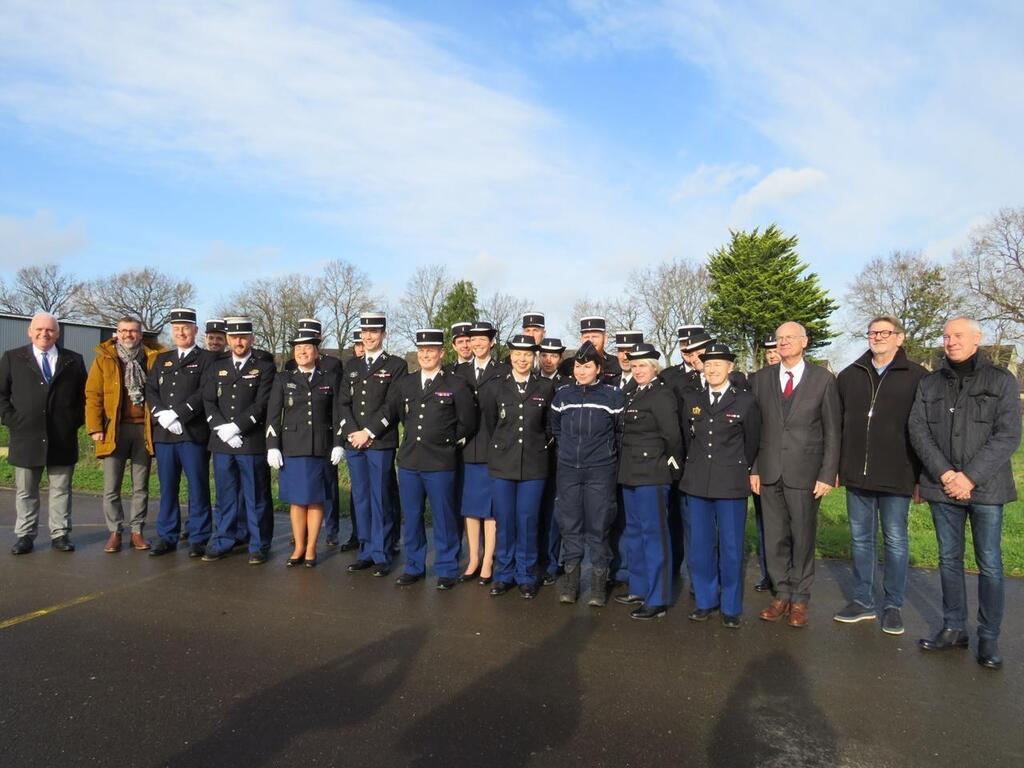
{"x": 134, "y": 375}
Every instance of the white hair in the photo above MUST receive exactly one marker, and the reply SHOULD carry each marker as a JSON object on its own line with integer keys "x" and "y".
{"x": 45, "y": 316}
{"x": 973, "y": 324}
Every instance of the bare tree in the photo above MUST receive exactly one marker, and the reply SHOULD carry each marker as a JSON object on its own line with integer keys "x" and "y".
{"x": 910, "y": 287}
{"x": 345, "y": 291}
{"x": 669, "y": 295}
{"x": 275, "y": 305}
{"x": 505, "y": 311}
{"x": 424, "y": 293}
{"x": 584, "y": 307}
{"x": 622, "y": 315}
{"x": 147, "y": 294}
{"x": 42, "y": 288}
{"x": 991, "y": 272}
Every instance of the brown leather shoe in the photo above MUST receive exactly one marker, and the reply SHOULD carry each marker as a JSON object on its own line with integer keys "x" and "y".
{"x": 139, "y": 543}
{"x": 113, "y": 543}
{"x": 798, "y": 615}
{"x": 776, "y": 610}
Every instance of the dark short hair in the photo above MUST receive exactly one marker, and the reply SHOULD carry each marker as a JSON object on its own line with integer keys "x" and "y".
{"x": 891, "y": 320}
{"x": 129, "y": 319}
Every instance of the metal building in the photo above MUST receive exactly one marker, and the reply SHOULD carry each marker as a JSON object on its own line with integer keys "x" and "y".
{"x": 80, "y": 337}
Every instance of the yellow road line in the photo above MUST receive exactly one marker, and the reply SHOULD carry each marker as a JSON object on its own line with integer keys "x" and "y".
{"x": 47, "y": 611}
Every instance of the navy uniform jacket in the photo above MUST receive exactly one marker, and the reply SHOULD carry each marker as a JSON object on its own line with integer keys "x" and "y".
{"x": 300, "y": 414}
{"x": 558, "y": 381}
{"x": 721, "y": 443}
{"x": 240, "y": 397}
{"x": 518, "y": 426}
{"x": 435, "y": 420}
{"x": 177, "y": 385}
{"x": 476, "y": 449}
{"x": 609, "y": 373}
{"x": 362, "y": 399}
{"x": 586, "y": 422}
{"x": 650, "y": 437}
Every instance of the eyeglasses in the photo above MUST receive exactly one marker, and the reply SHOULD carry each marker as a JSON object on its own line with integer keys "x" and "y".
{"x": 881, "y": 335}
{"x": 787, "y": 339}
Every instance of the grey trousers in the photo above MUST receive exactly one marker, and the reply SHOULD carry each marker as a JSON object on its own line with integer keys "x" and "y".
{"x": 790, "y": 528}
{"x": 131, "y": 446}
{"x": 26, "y": 500}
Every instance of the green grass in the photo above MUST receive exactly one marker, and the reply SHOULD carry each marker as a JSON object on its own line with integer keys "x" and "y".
{"x": 833, "y": 529}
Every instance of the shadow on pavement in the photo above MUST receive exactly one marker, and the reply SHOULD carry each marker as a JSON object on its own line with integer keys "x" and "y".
{"x": 502, "y": 718}
{"x": 343, "y": 692}
{"x": 770, "y": 721}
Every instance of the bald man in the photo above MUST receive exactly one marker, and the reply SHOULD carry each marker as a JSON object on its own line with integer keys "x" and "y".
{"x": 42, "y": 403}
{"x": 797, "y": 464}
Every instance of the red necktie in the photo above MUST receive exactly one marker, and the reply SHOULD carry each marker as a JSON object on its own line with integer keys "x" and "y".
{"x": 789, "y": 386}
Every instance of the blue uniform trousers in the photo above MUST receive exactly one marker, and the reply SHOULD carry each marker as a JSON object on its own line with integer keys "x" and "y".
{"x": 585, "y": 511}
{"x": 716, "y": 552}
{"x": 194, "y": 460}
{"x": 370, "y": 474}
{"x": 650, "y": 559}
{"x": 549, "y": 540}
{"x": 241, "y": 501}
{"x": 622, "y": 539}
{"x": 517, "y": 512}
{"x": 415, "y": 488}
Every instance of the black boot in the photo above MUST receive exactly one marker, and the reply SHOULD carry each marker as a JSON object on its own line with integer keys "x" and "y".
{"x": 570, "y": 585}
{"x": 598, "y": 587}
{"x": 988, "y": 654}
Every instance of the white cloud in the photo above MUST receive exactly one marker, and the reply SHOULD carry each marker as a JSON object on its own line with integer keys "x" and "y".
{"x": 777, "y": 187}
{"x": 39, "y": 239}
{"x": 709, "y": 180}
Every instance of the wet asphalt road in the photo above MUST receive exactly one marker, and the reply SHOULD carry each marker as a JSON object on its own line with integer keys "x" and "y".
{"x": 144, "y": 661}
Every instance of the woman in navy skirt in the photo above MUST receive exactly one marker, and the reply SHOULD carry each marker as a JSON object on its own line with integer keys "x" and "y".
{"x": 301, "y": 439}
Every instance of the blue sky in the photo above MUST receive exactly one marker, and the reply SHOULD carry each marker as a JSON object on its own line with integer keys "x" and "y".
{"x": 539, "y": 148}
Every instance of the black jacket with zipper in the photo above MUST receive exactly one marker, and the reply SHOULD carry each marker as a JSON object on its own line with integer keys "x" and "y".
{"x": 876, "y": 454}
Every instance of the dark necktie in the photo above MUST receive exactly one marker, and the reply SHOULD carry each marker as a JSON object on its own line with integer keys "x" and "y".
{"x": 238, "y": 365}
{"x": 714, "y": 398}
{"x": 789, "y": 386}
{"x": 479, "y": 373}
{"x": 427, "y": 383}
{"x": 47, "y": 371}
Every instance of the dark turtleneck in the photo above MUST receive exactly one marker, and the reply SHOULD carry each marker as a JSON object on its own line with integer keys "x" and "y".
{"x": 964, "y": 368}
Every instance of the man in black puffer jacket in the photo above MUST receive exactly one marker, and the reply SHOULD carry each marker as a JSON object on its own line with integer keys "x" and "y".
{"x": 879, "y": 468}
{"x": 965, "y": 426}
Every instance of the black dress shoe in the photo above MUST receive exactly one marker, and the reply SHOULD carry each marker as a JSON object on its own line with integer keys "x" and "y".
{"x": 349, "y": 545}
{"x": 988, "y": 654}
{"x": 162, "y": 547}
{"x": 22, "y": 546}
{"x": 359, "y": 565}
{"x": 408, "y": 578}
{"x": 257, "y": 558}
{"x": 469, "y": 576}
{"x": 944, "y": 640}
{"x": 701, "y": 614}
{"x": 731, "y": 622}
{"x": 483, "y": 581}
{"x": 446, "y": 582}
{"x": 380, "y": 570}
{"x": 549, "y": 579}
{"x": 197, "y": 550}
{"x": 646, "y": 613}
{"x": 331, "y": 542}
{"x": 500, "y": 588}
{"x": 211, "y": 555}
{"x": 764, "y": 585}
{"x": 310, "y": 562}
{"x": 628, "y": 599}
{"x": 527, "y": 591}
{"x": 62, "y": 544}
{"x": 291, "y": 562}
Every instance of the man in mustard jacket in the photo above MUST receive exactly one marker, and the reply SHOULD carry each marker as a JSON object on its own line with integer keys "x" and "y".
{"x": 118, "y": 422}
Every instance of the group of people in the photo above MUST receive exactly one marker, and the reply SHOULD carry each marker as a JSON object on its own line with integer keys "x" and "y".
{"x": 538, "y": 462}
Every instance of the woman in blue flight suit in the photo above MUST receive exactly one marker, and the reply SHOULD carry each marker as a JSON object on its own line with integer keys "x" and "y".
{"x": 650, "y": 459}
{"x": 514, "y": 408}
{"x": 300, "y": 438}
{"x": 723, "y": 427}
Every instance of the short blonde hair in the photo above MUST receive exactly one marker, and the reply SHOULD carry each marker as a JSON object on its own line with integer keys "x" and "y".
{"x": 654, "y": 364}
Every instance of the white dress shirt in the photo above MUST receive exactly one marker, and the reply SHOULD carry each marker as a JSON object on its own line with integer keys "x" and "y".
{"x": 51, "y": 354}
{"x": 797, "y": 371}
{"x": 185, "y": 352}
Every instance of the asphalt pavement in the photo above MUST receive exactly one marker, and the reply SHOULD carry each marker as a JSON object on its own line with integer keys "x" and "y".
{"x": 131, "y": 660}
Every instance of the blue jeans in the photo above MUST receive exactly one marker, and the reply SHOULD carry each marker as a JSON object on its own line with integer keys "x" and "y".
{"x": 865, "y": 508}
{"x": 986, "y": 527}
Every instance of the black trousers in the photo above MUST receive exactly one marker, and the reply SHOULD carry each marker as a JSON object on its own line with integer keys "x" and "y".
{"x": 585, "y": 510}
{"x": 790, "y": 525}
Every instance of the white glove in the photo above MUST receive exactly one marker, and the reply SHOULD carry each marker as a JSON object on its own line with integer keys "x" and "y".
{"x": 235, "y": 442}
{"x": 166, "y": 418}
{"x": 226, "y": 431}
{"x": 275, "y": 458}
{"x": 337, "y": 454}
{"x": 175, "y": 427}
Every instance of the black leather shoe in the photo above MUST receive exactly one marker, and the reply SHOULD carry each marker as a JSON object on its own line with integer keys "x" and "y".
{"x": 730, "y": 622}
{"x": 257, "y": 558}
{"x": 988, "y": 654}
{"x": 359, "y": 565}
{"x": 527, "y": 591}
{"x": 446, "y": 582}
{"x": 331, "y": 542}
{"x": 408, "y": 578}
{"x": 701, "y": 614}
{"x": 211, "y": 555}
{"x": 291, "y": 562}
{"x": 348, "y": 546}
{"x": 646, "y": 613}
{"x": 483, "y": 581}
{"x": 310, "y": 562}
{"x": 944, "y": 640}
{"x": 469, "y": 576}
{"x": 549, "y": 579}
{"x": 764, "y": 585}
{"x": 380, "y": 570}
{"x": 22, "y": 546}
{"x": 628, "y": 599}
{"x": 197, "y": 550}
{"x": 500, "y": 588}
{"x": 62, "y": 544}
{"x": 162, "y": 547}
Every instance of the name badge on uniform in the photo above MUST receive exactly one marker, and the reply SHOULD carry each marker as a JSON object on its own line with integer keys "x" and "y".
{"x": 255, "y": 374}
{"x": 383, "y": 375}
{"x": 292, "y": 385}
{"x": 192, "y": 366}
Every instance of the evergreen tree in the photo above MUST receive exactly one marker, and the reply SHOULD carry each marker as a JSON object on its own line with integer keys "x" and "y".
{"x": 458, "y": 306}
{"x": 757, "y": 283}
